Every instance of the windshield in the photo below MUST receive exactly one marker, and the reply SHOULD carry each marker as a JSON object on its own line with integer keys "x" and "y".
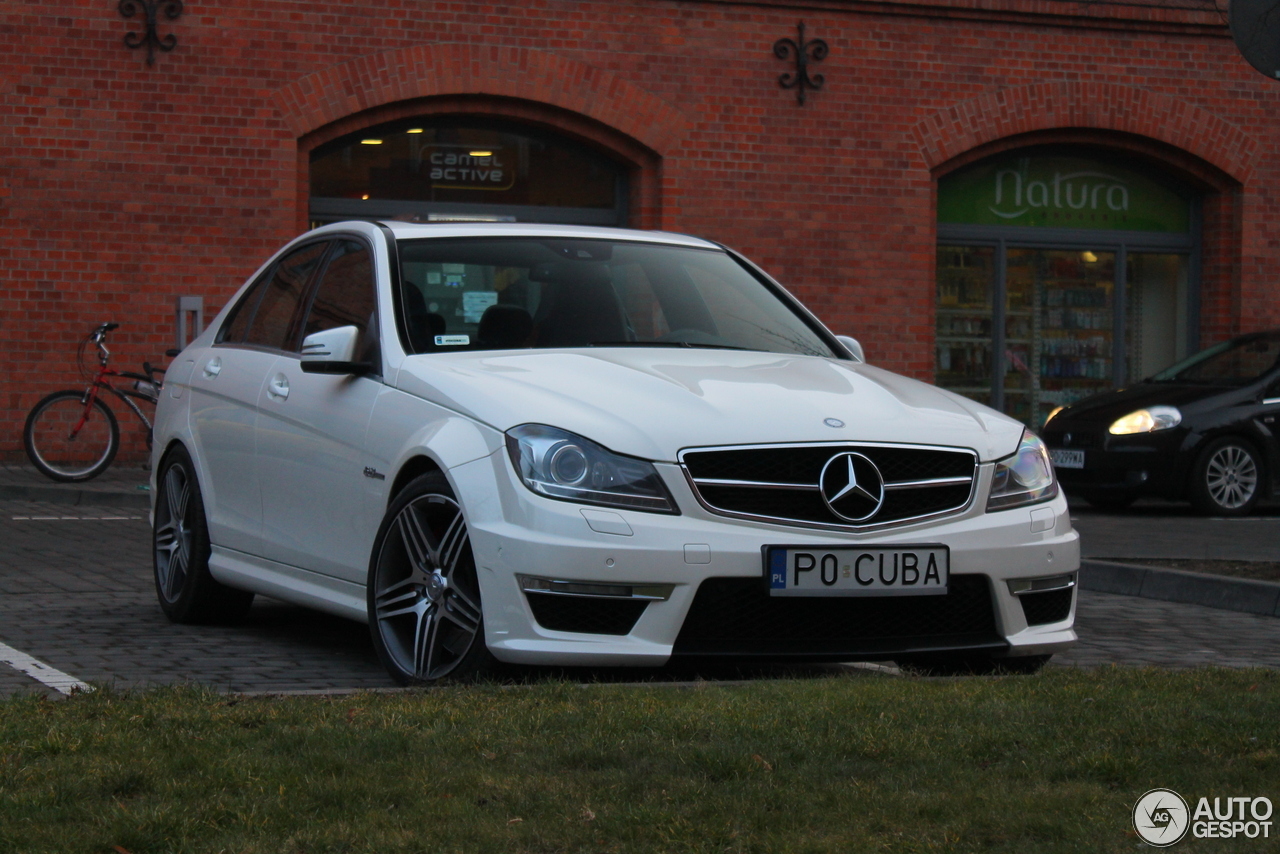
{"x": 518, "y": 292}
{"x": 1231, "y": 363}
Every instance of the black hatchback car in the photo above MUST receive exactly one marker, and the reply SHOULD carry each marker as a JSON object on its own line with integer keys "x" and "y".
{"x": 1203, "y": 430}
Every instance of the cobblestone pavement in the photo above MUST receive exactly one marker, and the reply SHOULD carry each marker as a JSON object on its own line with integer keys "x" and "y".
{"x": 76, "y": 593}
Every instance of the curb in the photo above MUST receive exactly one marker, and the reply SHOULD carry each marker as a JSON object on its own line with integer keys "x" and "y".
{"x": 72, "y": 495}
{"x": 1175, "y": 585}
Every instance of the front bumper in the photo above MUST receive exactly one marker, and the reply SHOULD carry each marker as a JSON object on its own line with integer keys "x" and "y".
{"x": 1141, "y": 464}
{"x": 601, "y": 553}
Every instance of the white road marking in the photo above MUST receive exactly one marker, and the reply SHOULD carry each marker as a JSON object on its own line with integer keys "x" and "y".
{"x": 77, "y": 518}
{"x": 41, "y": 672}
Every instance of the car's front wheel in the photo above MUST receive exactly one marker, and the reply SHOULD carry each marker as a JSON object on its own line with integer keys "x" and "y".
{"x": 1227, "y": 480}
{"x": 423, "y": 592}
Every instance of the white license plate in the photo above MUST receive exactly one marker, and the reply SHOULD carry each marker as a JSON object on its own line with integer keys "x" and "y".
{"x": 1065, "y": 459}
{"x": 857, "y": 570}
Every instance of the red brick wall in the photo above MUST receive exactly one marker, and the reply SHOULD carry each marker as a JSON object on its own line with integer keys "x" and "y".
{"x": 123, "y": 186}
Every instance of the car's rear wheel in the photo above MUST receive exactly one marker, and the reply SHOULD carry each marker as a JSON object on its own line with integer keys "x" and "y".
{"x": 180, "y": 550}
{"x": 424, "y": 605}
{"x": 1227, "y": 480}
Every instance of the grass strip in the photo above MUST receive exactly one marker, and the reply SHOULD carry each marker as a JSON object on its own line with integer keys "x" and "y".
{"x": 1050, "y": 763}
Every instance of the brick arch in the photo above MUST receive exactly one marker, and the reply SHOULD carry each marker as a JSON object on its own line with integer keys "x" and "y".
{"x": 429, "y": 70}
{"x": 1028, "y": 111}
{"x": 538, "y": 87}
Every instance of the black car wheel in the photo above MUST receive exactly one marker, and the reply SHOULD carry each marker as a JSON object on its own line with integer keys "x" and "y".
{"x": 1228, "y": 478}
{"x": 423, "y": 593}
{"x": 180, "y": 553}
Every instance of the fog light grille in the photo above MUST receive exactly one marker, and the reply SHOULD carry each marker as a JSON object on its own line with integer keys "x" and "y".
{"x": 1053, "y": 606}
{"x": 588, "y": 615}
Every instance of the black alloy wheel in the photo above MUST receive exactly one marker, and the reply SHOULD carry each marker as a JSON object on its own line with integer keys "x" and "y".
{"x": 180, "y": 550}
{"x": 423, "y": 592}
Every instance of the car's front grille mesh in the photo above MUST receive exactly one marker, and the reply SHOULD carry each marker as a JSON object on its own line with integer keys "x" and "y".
{"x": 761, "y": 476}
{"x": 738, "y": 616}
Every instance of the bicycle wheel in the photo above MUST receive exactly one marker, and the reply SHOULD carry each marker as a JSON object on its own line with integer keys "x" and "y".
{"x": 68, "y": 441}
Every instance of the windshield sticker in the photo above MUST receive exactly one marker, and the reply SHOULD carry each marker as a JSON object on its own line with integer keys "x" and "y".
{"x": 453, "y": 340}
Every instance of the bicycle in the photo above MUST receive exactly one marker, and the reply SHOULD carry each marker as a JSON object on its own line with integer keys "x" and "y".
{"x": 73, "y": 436}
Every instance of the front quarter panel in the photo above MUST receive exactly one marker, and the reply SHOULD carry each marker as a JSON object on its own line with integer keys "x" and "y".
{"x": 405, "y": 427}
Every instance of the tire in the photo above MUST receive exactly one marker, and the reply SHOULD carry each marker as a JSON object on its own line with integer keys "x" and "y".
{"x": 180, "y": 551}
{"x": 1228, "y": 478}
{"x": 425, "y": 613}
{"x": 61, "y": 451}
{"x": 974, "y": 664}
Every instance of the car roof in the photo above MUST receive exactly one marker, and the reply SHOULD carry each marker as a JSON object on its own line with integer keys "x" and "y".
{"x": 414, "y": 230}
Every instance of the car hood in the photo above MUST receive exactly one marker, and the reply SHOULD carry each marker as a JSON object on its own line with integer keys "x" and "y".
{"x": 1109, "y": 406}
{"x": 653, "y": 402}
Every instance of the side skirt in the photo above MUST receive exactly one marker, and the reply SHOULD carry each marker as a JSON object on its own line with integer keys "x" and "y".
{"x": 289, "y": 584}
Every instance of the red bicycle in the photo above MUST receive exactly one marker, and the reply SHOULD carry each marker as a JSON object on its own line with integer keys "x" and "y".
{"x": 73, "y": 435}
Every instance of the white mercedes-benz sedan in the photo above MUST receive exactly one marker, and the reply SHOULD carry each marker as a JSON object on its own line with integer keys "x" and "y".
{"x": 567, "y": 445}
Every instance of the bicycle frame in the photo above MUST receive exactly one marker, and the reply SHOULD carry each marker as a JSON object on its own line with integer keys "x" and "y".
{"x": 99, "y": 381}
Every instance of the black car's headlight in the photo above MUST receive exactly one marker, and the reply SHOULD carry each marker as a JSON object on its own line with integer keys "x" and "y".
{"x": 1148, "y": 420}
{"x": 1026, "y": 477}
{"x": 563, "y": 465}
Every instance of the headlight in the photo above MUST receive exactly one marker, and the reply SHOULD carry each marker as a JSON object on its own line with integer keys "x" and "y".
{"x": 1054, "y": 413}
{"x": 1147, "y": 420}
{"x": 1024, "y": 478}
{"x": 559, "y": 464}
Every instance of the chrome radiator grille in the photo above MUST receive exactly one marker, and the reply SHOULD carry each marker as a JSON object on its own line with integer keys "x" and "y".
{"x": 846, "y": 485}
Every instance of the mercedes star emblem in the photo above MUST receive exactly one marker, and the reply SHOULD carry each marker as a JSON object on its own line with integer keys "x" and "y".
{"x": 852, "y": 487}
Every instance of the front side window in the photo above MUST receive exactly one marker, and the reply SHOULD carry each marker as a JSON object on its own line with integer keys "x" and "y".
{"x": 268, "y": 313}
{"x": 345, "y": 295}
{"x": 513, "y": 293}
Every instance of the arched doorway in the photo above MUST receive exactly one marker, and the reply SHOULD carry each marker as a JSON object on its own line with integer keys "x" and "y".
{"x": 1062, "y": 272}
{"x": 433, "y": 167}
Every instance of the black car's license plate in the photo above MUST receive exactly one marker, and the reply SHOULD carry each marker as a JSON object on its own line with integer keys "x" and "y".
{"x": 1065, "y": 459}
{"x": 857, "y": 570}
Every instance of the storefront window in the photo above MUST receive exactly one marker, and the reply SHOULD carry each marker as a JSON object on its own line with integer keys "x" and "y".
{"x": 421, "y": 167}
{"x": 966, "y": 283}
{"x": 1059, "y": 276}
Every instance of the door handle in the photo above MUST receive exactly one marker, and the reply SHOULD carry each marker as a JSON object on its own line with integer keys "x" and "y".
{"x": 278, "y": 387}
{"x": 212, "y": 368}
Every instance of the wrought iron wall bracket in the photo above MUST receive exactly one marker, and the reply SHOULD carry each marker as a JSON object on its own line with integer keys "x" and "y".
{"x": 803, "y": 51}
{"x": 150, "y": 10}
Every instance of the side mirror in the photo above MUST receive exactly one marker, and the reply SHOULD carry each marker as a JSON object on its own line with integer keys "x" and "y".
{"x": 332, "y": 352}
{"x": 854, "y": 348}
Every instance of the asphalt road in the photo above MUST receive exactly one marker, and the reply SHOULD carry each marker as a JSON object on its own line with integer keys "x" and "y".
{"x": 76, "y": 596}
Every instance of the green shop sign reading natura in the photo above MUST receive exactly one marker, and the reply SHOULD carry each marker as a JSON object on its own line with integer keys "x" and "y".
{"x": 1060, "y": 192}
